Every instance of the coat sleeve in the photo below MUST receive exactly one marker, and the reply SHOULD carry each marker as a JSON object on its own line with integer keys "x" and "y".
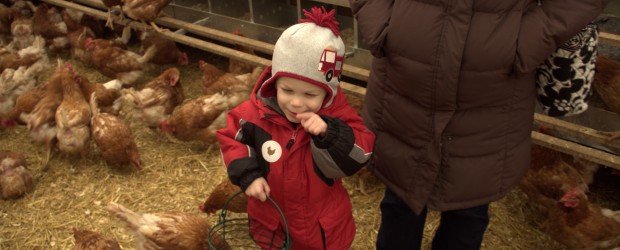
{"x": 239, "y": 156}
{"x": 546, "y": 26}
{"x": 346, "y": 146}
{"x": 373, "y": 17}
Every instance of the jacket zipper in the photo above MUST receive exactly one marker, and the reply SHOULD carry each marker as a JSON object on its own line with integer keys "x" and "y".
{"x": 292, "y": 140}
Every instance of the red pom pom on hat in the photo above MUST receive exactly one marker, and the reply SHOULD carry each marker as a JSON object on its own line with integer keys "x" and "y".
{"x": 322, "y": 18}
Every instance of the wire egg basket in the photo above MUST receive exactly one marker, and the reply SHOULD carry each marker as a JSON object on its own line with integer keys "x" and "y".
{"x": 238, "y": 231}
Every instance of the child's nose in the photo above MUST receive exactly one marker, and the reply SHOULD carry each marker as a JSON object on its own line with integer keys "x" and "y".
{"x": 296, "y": 102}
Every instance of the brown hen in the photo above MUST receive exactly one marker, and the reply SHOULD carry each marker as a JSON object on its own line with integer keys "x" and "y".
{"x": 550, "y": 177}
{"x": 198, "y": 119}
{"x": 145, "y": 11}
{"x": 210, "y": 74}
{"x": 23, "y": 35}
{"x": 216, "y": 81}
{"x": 15, "y": 82}
{"x": 117, "y": 63}
{"x": 114, "y": 138}
{"x": 89, "y": 240}
{"x": 167, "y": 230}
{"x": 584, "y": 226}
{"x": 13, "y": 60}
{"x": 157, "y": 100}
{"x": 72, "y": 116}
{"x": 48, "y": 22}
{"x": 15, "y": 179}
{"x": 236, "y": 66}
{"x": 222, "y": 194}
{"x": 25, "y": 103}
{"x": 167, "y": 51}
{"x": 77, "y": 34}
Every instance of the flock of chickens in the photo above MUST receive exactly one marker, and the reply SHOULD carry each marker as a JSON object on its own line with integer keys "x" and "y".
{"x": 66, "y": 112}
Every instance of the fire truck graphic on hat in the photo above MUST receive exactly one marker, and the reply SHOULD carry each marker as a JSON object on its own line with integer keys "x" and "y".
{"x": 331, "y": 64}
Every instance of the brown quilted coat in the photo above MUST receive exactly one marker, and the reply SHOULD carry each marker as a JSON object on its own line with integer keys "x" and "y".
{"x": 451, "y": 94}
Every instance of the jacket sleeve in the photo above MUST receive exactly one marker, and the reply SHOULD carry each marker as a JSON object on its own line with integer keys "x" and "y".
{"x": 373, "y": 17}
{"x": 546, "y": 26}
{"x": 239, "y": 156}
{"x": 346, "y": 146}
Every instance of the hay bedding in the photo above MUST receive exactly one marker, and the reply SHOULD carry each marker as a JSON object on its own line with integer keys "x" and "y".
{"x": 178, "y": 177}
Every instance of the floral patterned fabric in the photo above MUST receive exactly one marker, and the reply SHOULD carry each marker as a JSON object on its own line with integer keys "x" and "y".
{"x": 564, "y": 80}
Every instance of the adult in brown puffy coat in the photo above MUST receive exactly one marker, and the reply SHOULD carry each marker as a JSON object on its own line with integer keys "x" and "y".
{"x": 451, "y": 98}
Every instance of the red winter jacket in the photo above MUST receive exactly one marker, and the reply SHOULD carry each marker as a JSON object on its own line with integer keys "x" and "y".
{"x": 260, "y": 141}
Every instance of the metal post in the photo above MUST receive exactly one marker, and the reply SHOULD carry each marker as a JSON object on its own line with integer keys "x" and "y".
{"x": 298, "y": 9}
{"x": 251, "y": 11}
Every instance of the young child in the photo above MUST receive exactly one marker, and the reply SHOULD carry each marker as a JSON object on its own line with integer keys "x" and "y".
{"x": 296, "y": 137}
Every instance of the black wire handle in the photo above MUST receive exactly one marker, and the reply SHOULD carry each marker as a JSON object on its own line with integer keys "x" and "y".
{"x": 287, "y": 241}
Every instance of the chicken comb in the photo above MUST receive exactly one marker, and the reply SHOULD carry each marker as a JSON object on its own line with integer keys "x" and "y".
{"x": 322, "y": 18}
{"x": 184, "y": 59}
{"x": 569, "y": 199}
{"x": 164, "y": 126}
{"x": 200, "y": 63}
{"x": 6, "y": 123}
{"x": 573, "y": 191}
{"x": 87, "y": 42}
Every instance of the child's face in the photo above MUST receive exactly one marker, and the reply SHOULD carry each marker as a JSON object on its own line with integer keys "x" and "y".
{"x": 297, "y": 96}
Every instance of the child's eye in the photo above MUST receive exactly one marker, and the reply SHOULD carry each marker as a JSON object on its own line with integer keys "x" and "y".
{"x": 287, "y": 91}
{"x": 310, "y": 95}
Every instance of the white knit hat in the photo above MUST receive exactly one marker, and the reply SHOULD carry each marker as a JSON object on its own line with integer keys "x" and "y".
{"x": 312, "y": 51}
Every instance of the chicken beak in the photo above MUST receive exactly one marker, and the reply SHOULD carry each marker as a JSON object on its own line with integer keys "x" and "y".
{"x": 183, "y": 60}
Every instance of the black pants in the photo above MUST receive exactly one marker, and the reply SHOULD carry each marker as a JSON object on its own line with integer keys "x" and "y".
{"x": 401, "y": 228}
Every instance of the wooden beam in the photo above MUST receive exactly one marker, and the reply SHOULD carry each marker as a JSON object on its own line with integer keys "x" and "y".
{"x": 190, "y": 41}
{"x": 227, "y": 37}
{"x": 575, "y": 130}
{"x": 608, "y": 38}
{"x": 577, "y": 150}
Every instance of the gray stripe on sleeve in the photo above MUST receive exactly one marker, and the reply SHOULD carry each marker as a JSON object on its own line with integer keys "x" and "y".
{"x": 358, "y": 154}
{"x": 239, "y": 135}
{"x": 325, "y": 163}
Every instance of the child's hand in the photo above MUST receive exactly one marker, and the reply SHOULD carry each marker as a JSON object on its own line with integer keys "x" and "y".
{"x": 312, "y": 123}
{"x": 258, "y": 189}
